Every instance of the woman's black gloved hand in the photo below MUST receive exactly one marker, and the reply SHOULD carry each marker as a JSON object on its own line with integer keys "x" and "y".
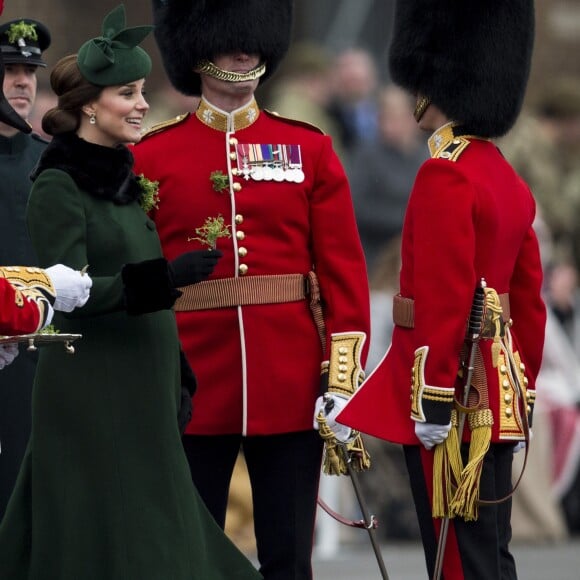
{"x": 153, "y": 285}
{"x": 192, "y": 267}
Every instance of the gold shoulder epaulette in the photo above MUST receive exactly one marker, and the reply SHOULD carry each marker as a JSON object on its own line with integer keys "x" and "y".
{"x": 304, "y": 124}
{"x": 158, "y": 127}
{"x": 453, "y": 149}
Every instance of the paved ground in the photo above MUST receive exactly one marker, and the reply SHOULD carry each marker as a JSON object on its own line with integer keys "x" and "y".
{"x": 405, "y": 562}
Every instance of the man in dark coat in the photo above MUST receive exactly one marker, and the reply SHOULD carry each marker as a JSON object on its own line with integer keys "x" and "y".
{"x": 22, "y": 42}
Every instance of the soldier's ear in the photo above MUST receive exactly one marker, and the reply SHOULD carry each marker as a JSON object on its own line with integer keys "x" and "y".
{"x": 7, "y": 114}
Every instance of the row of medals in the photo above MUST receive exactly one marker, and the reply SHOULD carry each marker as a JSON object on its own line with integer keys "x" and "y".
{"x": 264, "y": 171}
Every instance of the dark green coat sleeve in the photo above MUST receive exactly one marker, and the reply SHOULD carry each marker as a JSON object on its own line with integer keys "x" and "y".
{"x": 57, "y": 220}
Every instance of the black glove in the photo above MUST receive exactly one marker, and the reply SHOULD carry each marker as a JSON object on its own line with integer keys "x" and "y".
{"x": 323, "y": 387}
{"x": 185, "y": 410}
{"x": 193, "y": 267}
{"x": 147, "y": 286}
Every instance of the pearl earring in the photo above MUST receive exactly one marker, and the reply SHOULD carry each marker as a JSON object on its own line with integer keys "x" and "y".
{"x": 92, "y": 119}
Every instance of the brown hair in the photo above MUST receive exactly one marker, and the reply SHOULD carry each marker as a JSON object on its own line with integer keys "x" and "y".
{"x": 73, "y": 92}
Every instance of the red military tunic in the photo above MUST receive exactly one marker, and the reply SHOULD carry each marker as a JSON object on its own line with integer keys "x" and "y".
{"x": 258, "y": 366}
{"x": 20, "y": 312}
{"x": 469, "y": 217}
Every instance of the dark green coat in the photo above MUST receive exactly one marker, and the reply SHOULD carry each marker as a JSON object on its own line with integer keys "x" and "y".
{"x": 18, "y": 156}
{"x": 105, "y": 491}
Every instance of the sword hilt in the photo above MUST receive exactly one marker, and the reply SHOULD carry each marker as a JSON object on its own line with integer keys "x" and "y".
{"x": 477, "y": 308}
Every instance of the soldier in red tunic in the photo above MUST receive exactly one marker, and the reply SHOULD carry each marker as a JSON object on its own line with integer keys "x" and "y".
{"x": 15, "y": 320}
{"x": 279, "y": 193}
{"x": 26, "y": 296}
{"x": 469, "y": 218}
{"x": 29, "y": 296}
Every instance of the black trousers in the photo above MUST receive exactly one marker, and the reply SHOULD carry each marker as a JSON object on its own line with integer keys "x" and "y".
{"x": 475, "y": 550}
{"x": 284, "y": 472}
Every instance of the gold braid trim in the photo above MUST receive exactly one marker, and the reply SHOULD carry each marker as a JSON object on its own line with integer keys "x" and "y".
{"x": 455, "y": 486}
{"x": 438, "y": 395}
{"x": 27, "y": 277}
{"x": 421, "y": 392}
{"x": 447, "y": 468}
{"x": 345, "y": 372}
{"x": 31, "y": 284}
{"x": 418, "y": 384}
{"x": 515, "y": 398}
{"x": 164, "y": 125}
{"x": 493, "y": 325}
{"x": 466, "y": 497}
{"x": 210, "y": 69}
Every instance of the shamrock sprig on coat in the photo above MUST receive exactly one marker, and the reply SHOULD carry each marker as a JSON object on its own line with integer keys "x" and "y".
{"x": 149, "y": 193}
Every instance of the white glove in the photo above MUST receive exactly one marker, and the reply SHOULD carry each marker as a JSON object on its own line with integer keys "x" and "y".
{"x": 72, "y": 287}
{"x": 431, "y": 434}
{"x": 8, "y": 352}
{"x": 330, "y": 405}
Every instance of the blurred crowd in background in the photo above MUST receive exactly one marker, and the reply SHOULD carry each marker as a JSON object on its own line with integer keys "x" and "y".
{"x": 374, "y": 133}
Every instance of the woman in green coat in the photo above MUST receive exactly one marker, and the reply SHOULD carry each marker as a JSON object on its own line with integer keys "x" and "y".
{"x": 105, "y": 492}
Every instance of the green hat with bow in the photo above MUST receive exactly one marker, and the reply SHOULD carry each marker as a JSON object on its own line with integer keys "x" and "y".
{"x": 114, "y": 58}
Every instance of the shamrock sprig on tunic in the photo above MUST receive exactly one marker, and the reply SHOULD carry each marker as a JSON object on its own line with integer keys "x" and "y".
{"x": 149, "y": 193}
{"x": 219, "y": 181}
{"x": 210, "y": 231}
{"x": 21, "y": 30}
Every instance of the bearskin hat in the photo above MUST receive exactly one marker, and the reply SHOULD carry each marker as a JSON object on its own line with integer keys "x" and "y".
{"x": 188, "y": 31}
{"x": 472, "y": 59}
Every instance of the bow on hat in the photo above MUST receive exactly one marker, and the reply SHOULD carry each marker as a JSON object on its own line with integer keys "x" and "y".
{"x": 100, "y": 52}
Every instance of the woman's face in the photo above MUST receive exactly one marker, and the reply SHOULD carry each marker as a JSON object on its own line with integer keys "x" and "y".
{"x": 119, "y": 114}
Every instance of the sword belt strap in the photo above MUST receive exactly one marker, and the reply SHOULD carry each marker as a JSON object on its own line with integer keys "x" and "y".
{"x": 404, "y": 310}
{"x": 227, "y": 292}
{"x": 343, "y": 520}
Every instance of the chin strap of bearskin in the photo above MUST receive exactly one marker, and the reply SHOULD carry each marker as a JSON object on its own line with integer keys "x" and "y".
{"x": 209, "y": 68}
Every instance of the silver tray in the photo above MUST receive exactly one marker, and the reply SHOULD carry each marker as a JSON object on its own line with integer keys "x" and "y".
{"x": 39, "y": 339}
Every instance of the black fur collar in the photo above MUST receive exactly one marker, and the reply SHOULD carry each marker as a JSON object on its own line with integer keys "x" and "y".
{"x": 104, "y": 172}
